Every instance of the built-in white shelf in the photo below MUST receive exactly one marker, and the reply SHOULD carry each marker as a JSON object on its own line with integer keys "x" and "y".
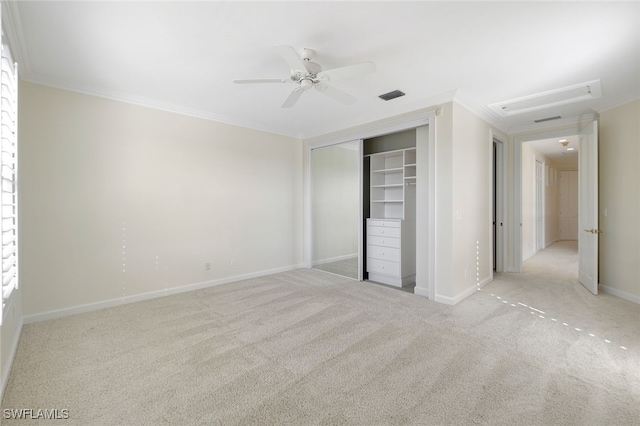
{"x": 393, "y": 185}
{"x": 391, "y": 173}
{"x": 391, "y": 226}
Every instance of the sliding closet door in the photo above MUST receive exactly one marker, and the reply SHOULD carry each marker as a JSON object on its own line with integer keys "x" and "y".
{"x": 336, "y": 208}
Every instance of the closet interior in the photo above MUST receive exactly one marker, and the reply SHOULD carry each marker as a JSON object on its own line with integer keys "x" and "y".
{"x": 389, "y": 209}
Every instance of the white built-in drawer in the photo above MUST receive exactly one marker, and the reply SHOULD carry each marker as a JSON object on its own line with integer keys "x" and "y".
{"x": 384, "y": 241}
{"x": 384, "y": 223}
{"x": 383, "y": 253}
{"x": 383, "y": 267}
{"x": 383, "y": 232}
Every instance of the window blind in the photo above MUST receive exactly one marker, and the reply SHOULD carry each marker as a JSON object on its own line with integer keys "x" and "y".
{"x": 8, "y": 173}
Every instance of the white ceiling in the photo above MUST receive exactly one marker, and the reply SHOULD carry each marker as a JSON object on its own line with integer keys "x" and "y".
{"x": 183, "y": 56}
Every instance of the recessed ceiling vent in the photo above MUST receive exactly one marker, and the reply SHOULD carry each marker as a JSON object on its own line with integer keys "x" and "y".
{"x": 391, "y": 95}
{"x": 551, "y": 98}
{"x": 542, "y": 120}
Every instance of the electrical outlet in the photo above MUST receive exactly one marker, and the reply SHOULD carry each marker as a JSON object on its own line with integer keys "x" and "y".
{"x": 207, "y": 266}
{"x": 232, "y": 261}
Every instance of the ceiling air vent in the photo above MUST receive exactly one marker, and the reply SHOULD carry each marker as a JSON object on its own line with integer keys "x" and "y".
{"x": 391, "y": 95}
{"x": 551, "y": 98}
{"x": 542, "y": 120}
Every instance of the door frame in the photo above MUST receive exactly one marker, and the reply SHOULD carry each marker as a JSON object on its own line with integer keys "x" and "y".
{"x": 516, "y": 208}
{"x": 500, "y": 202}
{"x": 588, "y": 207}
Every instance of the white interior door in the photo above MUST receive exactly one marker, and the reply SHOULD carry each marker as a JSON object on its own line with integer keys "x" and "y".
{"x": 588, "y": 208}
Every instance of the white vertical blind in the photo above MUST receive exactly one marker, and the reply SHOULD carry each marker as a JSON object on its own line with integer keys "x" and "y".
{"x": 8, "y": 173}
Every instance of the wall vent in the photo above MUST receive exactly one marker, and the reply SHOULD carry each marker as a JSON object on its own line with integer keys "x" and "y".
{"x": 391, "y": 95}
{"x": 551, "y": 98}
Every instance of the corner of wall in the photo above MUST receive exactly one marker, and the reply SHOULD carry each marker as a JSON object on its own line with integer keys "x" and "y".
{"x": 10, "y": 333}
{"x": 463, "y": 294}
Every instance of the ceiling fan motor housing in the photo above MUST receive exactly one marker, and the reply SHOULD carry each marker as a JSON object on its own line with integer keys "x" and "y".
{"x": 306, "y": 83}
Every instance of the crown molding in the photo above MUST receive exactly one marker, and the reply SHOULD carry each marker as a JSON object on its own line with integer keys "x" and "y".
{"x": 483, "y": 112}
{"x": 622, "y": 102}
{"x": 151, "y": 104}
{"x": 12, "y": 26}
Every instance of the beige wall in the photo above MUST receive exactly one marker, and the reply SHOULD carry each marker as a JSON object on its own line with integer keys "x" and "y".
{"x": 472, "y": 201}
{"x": 444, "y": 204}
{"x": 619, "y": 196}
{"x": 119, "y": 200}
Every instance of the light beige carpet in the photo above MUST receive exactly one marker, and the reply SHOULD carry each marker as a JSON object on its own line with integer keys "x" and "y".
{"x": 307, "y": 347}
{"x": 346, "y": 267}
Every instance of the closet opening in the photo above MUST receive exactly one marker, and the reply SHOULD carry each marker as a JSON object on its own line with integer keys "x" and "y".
{"x": 389, "y": 209}
{"x": 411, "y": 133}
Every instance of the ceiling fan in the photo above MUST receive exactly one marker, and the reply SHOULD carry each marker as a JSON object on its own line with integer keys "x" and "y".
{"x": 309, "y": 75}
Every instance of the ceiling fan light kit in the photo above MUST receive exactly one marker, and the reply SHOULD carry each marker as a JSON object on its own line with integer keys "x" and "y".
{"x": 309, "y": 75}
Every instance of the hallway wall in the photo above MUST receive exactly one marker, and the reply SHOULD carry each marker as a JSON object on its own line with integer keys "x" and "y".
{"x": 529, "y": 156}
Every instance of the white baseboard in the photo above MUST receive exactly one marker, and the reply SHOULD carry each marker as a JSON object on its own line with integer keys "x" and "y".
{"x": 621, "y": 294}
{"x": 6, "y": 368}
{"x": 334, "y": 259}
{"x": 58, "y": 313}
{"x": 464, "y": 294}
{"x": 419, "y": 291}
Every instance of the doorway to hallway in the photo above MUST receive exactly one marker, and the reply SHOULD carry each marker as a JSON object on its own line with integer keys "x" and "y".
{"x": 588, "y": 232}
{"x": 549, "y": 196}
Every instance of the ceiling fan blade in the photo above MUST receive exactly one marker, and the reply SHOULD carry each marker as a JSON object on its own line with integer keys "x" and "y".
{"x": 263, "y": 80}
{"x": 292, "y": 58}
{"x": 347, "y": 72}
{"x": 336, "y": 94}
{"x": 293, "y": 97}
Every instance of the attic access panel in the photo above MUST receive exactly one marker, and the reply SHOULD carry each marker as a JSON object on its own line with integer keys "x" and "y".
{"x": 551, "y": 98}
